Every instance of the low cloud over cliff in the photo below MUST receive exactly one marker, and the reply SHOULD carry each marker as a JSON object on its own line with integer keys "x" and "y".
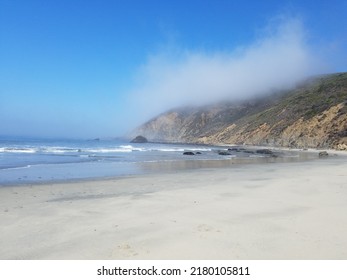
{"x": 277, "y": 59}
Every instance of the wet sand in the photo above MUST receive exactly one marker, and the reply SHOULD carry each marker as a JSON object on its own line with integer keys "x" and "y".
{"x": 247, "y": 211}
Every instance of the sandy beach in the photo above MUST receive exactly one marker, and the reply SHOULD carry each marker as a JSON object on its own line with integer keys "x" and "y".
{"x": 251, "y": 211}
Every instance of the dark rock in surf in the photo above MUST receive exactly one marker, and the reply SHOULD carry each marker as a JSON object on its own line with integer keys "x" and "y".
{"x": 224, "y": 153}
{"x": 188, "y": 154}
{"x": 264, "y": 152}
{"x": 323, "y": 154}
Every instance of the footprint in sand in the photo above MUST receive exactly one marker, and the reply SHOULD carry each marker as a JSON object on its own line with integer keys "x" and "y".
{"x": 125, "y": 250}
{"x": 204, "y": 229}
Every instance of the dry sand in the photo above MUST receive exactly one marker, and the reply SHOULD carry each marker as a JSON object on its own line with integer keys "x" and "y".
{"x": 254, "y": 211}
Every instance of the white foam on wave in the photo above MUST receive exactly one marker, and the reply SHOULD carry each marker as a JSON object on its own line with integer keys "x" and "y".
{"x": 199, "y": 149}
{"x": 133, "y": 149}
{"x": 42, "y": 149}
{"x": 54, "y": 150}
{"x": 109, "y": 150}
{"x": 17, "y": 150}
{"x": 170, "y": 150}
{"x": 116, "y": 149}
{"x": 120, "y": 149}
{"x": 126, "y": 147}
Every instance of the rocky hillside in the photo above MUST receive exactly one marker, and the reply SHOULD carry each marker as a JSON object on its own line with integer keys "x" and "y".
{"x": 313, "y": 115}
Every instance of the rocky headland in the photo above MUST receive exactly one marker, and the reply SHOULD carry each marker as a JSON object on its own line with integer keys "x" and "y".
{"x": 312, "y": 115}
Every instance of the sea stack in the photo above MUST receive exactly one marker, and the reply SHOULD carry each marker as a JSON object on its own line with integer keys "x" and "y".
{"x": 139, "y": 139}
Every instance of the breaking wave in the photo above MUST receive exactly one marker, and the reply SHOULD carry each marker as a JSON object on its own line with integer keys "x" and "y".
{"x": 117, "y": 149}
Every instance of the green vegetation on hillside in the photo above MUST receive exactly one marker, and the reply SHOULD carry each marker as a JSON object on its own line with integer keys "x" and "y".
{"x": 263, "y": 120}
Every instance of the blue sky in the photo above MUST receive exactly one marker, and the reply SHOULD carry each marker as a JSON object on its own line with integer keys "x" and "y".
{"x": 100, "y": 68}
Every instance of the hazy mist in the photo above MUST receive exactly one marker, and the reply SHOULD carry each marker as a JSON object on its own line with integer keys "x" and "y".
{"x": 279, "y": 58}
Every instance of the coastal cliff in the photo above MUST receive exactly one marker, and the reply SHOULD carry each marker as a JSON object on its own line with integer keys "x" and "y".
{"x": 313, "y": 115}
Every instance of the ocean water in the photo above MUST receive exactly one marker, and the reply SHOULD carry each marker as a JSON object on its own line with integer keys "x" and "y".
{"x": 37, "y": 160}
